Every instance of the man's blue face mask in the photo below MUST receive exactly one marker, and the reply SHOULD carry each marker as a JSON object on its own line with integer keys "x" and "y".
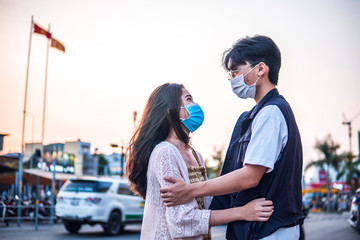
{"x": 196, "y": 117}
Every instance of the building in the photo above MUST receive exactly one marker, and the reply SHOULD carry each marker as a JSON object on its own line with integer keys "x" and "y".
{"x": 116, "y": 164}
{"x": 2, "y": 141}
{"x": 83, "y": 162}
{"x": 69, "y": 157}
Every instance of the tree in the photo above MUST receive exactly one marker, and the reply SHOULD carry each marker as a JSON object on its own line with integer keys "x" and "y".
{"x": 350, "y": 169}
{"x": 103, "y": 163}
{"x": 217, "y": 156}
{"x": 327, "y": 148}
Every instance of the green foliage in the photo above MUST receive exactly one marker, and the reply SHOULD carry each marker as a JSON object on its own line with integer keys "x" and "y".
{"x": 103, "y": 163}
{"x": 327, "y": 148}
{"x": 217, "y": 157}
{"x": 346, "y": 164}
{"x": 349, "y": 168}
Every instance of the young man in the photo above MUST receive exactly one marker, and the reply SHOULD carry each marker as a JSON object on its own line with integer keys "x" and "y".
{"x": 264, "y": 158}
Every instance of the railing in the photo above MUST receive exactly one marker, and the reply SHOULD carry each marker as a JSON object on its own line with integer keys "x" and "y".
{"x": 36, "y": 212}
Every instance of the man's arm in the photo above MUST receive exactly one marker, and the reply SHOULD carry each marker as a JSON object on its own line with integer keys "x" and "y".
{"x": 247, "y": 177}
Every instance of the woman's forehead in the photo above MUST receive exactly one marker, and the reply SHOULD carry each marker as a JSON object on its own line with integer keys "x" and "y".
{"x": 185, "y": 92}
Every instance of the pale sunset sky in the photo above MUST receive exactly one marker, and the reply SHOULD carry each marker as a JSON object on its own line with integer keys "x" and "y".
{"x": 117, "y": 52}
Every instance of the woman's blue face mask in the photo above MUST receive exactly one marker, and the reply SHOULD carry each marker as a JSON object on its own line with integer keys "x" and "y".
{"x": 196, "y": 117}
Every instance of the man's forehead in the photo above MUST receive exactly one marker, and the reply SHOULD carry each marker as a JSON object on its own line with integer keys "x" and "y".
{"x": 233, "y": 65}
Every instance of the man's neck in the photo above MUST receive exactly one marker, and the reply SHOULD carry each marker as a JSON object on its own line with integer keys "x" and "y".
{"x": 261, "y": 90}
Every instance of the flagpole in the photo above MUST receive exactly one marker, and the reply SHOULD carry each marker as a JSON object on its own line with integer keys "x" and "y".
{"x": 23, "y": 125}
{"x": 45, "y": 90}
{"x": 43, "y": 132}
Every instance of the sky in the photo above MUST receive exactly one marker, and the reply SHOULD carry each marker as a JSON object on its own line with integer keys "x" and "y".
{"x": 118, "y": 52}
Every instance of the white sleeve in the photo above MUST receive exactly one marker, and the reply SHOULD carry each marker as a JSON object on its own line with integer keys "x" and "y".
{"x": 184, "y": 220}
{"x": 268, "y": 137}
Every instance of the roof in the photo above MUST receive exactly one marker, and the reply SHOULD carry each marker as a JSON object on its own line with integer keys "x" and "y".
{"x": 63, "y": 176}
{"x": 49, "y": 175}
{"x": 101, "y": 178}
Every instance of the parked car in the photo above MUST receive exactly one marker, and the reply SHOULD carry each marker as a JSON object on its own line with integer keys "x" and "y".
{"x": 104, "y": 201}
{"x": 354, "y": 211}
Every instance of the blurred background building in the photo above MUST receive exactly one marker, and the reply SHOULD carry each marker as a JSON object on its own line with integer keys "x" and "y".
{"x": 70, "y": 157}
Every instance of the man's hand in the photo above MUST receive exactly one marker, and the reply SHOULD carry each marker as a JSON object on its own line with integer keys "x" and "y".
{"x": 257, "y": 210}
{"x": 177, "y": 194}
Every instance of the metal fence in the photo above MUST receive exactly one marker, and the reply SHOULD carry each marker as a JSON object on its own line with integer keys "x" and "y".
{"x": 36, "y": 212}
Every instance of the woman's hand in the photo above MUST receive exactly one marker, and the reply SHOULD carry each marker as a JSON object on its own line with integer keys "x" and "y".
{"x": 256, "y": 210}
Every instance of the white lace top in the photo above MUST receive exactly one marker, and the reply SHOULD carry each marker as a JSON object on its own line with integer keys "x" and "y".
{"x": 184, "y": 221}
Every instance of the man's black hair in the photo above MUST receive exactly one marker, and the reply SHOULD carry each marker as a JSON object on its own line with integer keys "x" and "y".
{"x": 254, "y": 50}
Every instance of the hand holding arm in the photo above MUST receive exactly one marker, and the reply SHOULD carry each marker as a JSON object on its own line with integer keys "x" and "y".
{"x": 178, "y": 193}
{"x": 247, "y": 177}
{"x": 256, "y": 210}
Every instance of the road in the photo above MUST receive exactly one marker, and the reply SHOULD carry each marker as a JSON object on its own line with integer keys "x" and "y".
{"x": 318, "y": 226}
{"x": 334, "y": 226}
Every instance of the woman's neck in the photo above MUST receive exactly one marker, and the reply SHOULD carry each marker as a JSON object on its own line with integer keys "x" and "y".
{"x": 173, "y": 139}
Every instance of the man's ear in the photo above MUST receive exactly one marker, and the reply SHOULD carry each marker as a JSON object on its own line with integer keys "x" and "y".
{"x": 263, "y": 69}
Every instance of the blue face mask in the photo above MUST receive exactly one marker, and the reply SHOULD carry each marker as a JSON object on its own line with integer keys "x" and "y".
{"x": 196, "y": 117}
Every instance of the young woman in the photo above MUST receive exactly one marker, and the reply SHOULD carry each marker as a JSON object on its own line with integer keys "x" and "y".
{"x": 161, "y": 147}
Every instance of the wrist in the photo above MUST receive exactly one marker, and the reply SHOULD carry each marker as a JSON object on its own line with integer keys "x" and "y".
{"x": 195, "y": 189}
{"x": 240, "y": 213}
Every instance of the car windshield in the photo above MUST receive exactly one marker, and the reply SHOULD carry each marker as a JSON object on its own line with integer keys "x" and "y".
{"x": 87, "y": 186}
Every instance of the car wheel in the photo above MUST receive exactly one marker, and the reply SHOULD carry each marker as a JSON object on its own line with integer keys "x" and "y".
{"x": 72, "y": 227}
{"x": 113, "y": 226}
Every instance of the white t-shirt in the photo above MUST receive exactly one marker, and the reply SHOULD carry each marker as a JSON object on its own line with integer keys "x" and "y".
{"x": 269, "y": 135}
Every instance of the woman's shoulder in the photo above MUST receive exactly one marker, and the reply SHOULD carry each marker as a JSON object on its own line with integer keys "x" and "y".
{"x": 166, "y": 153}
{"x": 164, "y": 148}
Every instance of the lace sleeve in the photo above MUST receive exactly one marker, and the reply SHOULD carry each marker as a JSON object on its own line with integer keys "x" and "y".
{"x": 184, "y": 220}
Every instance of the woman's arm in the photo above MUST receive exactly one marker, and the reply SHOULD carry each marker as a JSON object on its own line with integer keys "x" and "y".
{"x": 256, "y": 210}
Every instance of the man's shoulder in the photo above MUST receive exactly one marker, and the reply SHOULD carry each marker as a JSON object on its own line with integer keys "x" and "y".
{"x": 279, "y": 101}
{"x": 271, "y": 111}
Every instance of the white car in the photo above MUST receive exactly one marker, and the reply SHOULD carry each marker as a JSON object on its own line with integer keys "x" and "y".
{"x": 106, "y": 201}
{"x": 354, "y": 211}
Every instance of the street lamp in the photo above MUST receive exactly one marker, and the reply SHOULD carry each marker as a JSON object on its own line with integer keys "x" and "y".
{"x": 122, "y": 157}
{"x": 134, "y": 118}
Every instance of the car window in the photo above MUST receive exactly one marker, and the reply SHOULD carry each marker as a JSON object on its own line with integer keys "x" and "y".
{"x": 87, "y": 186}
{"x": 124, "y": 189}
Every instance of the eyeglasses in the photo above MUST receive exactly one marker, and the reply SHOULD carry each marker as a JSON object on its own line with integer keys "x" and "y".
{"x": 233, "y": 73}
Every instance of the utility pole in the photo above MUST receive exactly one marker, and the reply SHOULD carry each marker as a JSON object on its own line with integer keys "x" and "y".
{"x": 122, "y": 160}
{"x": 348, "y": 122}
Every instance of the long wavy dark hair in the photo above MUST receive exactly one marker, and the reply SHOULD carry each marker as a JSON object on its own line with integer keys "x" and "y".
{"x": 161, "y": 114}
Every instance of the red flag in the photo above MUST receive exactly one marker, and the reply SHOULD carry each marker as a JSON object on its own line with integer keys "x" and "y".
{"x": 56, "y": 44}
{"x": 39, "y": 30}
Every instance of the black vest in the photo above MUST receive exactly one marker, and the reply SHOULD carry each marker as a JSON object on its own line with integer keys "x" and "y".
{"x": 282, "y": 185}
